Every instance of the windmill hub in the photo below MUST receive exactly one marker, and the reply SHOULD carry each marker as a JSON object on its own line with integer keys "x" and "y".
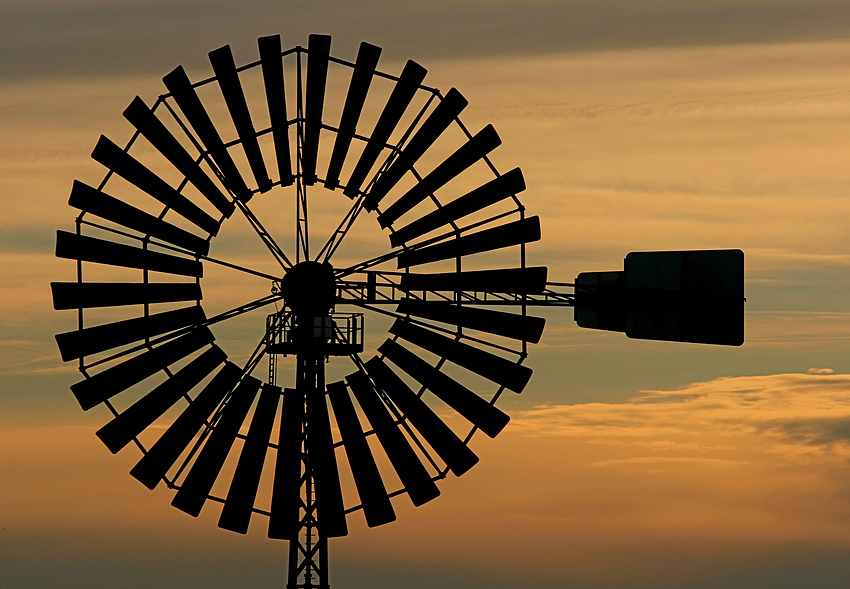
{"x": 309, "y": 288}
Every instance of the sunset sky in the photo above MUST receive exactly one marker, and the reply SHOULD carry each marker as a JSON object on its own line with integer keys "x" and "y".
{"x": 627, "y": 464}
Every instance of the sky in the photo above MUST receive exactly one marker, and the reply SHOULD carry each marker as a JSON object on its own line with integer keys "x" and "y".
{"x": 632, "y": 464}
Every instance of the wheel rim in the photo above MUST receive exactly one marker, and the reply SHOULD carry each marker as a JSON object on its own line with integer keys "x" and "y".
{"x": 450, "y": 232}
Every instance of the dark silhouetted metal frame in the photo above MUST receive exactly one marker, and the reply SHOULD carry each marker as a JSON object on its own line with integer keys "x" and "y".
{"x": 471, "y": 299}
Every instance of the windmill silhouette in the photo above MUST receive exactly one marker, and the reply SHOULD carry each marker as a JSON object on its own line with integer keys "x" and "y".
{"x": 454, "y": 282}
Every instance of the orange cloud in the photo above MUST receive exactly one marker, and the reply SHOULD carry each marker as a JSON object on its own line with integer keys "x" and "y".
{"x": 664, "y": 490}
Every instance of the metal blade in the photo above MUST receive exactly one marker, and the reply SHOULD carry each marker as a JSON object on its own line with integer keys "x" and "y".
{"x": 272, "y": 65}
{"x": 409, "y": 81}
{"x": 246, "y": 480}
{"x": 515, "y": 233}
{"x": 285, "y": 518}
{"x": 91, "y": 249}
{"x": 416, "y": 480}
{"x": 318, "y": 49}
{"x": 86, "y": 295}
{"x": 143, "y": 119}
{"x": 507, "y": 280}
{"x": 98, "y": 203}
{"x": 225, "y": 70}
{"x": 494, "y": 191}
{"x": 485, "y": 141}
{"x": 457, "y": 455}
{"x": 373, "y": 495}
{"x": 437, "y": 122}
{"x": 361, "y": 79}
{"x": 121, "y": 430}
{"x": 118, "y": 378}
{"x": 479, "y": 412}
{"x": 320, "y": 450}
{"x": 199, "y": 481}
{"x": 90, "y": 340}
{"x": 518, "y": 327}
{"x": 162, "y": 455}
{"x": 135, "y": 172}
{"x": 499, "y": 370}
{"x": 187, "y": 99}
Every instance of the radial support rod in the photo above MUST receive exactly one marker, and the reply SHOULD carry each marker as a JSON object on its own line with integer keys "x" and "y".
{"x": 264, "y": 235}
{"x": 302, "y": 237}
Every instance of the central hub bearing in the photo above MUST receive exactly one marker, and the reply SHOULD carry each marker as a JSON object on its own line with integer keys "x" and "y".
{"x": 309, "y": 288}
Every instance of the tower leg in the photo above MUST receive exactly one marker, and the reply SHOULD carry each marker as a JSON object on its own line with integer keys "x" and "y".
{"x": 308, "y": 555}
{"x": 308, "y": 565}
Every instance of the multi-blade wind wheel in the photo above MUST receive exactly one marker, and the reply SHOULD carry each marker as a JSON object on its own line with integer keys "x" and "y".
{"x": 453, "y": 285}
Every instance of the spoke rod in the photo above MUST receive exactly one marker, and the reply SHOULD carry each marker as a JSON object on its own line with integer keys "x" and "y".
{"x": 182, "y": 251}
{"x": 369, "y": 263}
{"x": 256, "y": 356}
{"x": 397, "y": 252}
{"x": 240, "y": 268}
{"x": 270, "y": 243}
{"x": 302, "y": 238}
{"x": 345, "y": 225}
{"x": 242, "y": 309}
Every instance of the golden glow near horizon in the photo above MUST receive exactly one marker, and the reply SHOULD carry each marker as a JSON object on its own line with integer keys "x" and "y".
{"x": 626, "y": 464}
{"x": 656, "y": 491}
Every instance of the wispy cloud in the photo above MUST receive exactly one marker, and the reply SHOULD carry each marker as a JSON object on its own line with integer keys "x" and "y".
{"x": 666, "y": 490}
{"x": 813, "y": 409}
{"x": 670, "y": 489}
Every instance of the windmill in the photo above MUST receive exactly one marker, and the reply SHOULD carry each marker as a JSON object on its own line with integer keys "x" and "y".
{"x": 453, "y": 285}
